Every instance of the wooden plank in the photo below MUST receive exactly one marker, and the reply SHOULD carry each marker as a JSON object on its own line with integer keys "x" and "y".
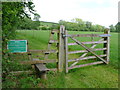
{"x": 83, "y": 51}
{"x": 83, "y": 65}
{"x": 107, "y": 45}
{"x": 61, "y": 52}
{"x": 85, "y": 35}
{"x": 53, "y": 69}
{"x": 30, "y": 56}
{"x": 83, "y": 55}
{"x": 81, "y": 44}
{"x": 42, "y": 51}
{"x": 58, "y": 36}
{"x": 66, "y": 52}
{"x": 53, "y": 41}
{"x": 92, "y": 39}
{"x": 36, "y": 56}
{"x": 93, "y": 42}
{"x": 41, "y": 70}
{"x": 21, "y": 72}
{"x": 41, "y": 67}
{"x": 38, "y": 61}
{"x": 84, "y": 58}
{"x": 51, "y": 35}
{"x": 88, "y": 35}
{"x": 93, "y": 46}
{"x": 105, "y": 35}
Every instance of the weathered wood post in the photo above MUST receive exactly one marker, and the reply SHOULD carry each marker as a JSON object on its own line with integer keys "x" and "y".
{"x": 62, "y": 50}
{"x": 66, "y": 51}
{"x": 107, "y": 45}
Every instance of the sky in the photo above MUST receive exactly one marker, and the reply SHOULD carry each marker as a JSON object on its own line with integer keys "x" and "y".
{"x": 102, "y": 12}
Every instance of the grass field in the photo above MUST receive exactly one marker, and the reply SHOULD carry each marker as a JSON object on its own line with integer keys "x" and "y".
{"x": 97, "y": 76}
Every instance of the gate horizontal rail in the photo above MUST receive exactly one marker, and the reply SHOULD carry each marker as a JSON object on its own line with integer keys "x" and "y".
{"x": 83, "y": 51}
{"x": 88, "y": 35}
{"x": 92, "y": 42}
{"x": 84, "y": 58}
{"x": 83, "y": 65}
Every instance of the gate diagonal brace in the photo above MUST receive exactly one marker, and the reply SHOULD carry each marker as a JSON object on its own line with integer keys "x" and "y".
{"x": 79, "y": 43}
{"x": 83, "y": 55}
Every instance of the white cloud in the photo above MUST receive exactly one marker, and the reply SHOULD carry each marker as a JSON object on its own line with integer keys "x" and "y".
{"x": 54, "y": 10}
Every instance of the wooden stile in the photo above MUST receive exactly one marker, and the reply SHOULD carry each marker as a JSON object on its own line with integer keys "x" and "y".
{"x": 62, "y": 52}
{"x": 41, "y": 67}
{"x": 51, "y": 41}
{"x": 41, "y": 70}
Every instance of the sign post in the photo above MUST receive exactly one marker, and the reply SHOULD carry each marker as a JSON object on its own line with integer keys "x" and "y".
{"x": 17, "y": 46}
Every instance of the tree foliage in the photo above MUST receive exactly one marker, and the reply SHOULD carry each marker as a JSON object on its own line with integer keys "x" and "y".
{"x": 36, "y": 17}
{"x": 77, "y": 24}
{"x": 12, "y": 14}
{"x": 117, "y": 26}
{"x": 112, "y": 28}
{"x": 29, "y": 24}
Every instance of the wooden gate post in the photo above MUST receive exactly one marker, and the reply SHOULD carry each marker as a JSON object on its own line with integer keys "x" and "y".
{"x": 107, "y": 45}
{"x": 66, "y": 52}
{"x": 62, "y": 50}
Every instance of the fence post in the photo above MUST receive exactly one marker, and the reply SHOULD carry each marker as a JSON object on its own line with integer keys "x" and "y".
{"x": 61, "y": 50}
{"x": 107, "y": 45}
{"x": 66, "y": 52}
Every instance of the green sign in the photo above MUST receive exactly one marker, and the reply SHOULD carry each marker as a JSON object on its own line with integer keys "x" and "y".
{"x": 17, "y": 46}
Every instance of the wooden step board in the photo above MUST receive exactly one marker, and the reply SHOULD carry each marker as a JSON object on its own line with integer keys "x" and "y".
{"x": 41, "y": 70}
{"x": 41, "y": 67}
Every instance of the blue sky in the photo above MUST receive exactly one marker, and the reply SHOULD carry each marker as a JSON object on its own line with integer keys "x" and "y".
{"x": 103, "y": 12}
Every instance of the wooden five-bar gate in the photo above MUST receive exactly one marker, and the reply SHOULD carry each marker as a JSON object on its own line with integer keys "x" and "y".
{"x": 63, "y": 53}
{"x": 63, "y": 49}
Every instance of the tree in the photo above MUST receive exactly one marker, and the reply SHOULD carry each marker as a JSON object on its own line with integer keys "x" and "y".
{"x": 36, "y": 17}
{"x": 88, "y": 25}
{"x": 62, "y": 22}
{"x": 12, "y": 14}
{"x": 112, "y": 28}
{"x": 29, "y": 24}
{"x": 78, "y": 24}
{"x": 117, "y": 26}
